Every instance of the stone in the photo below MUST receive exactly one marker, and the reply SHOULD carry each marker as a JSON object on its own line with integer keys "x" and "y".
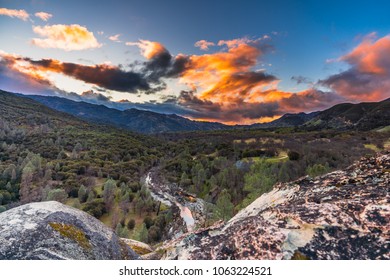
{"x": 341, "y": 215}
{"x": 51, "y": 230}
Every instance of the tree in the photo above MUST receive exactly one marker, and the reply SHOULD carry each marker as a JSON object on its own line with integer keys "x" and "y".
{"x": 148, "y": 221}
{"x": 57, "y": 195}
{"x": 224, "y": 206}
{"x": 109, "y": 193}
{"x": 154, "y": 234}
{"x": 131, "y": 224}
{"x": 293, "y": 155}
{"x": 317, "y": 170}
{"x": 143, "y": 234}
{"x": 82, "y": 194}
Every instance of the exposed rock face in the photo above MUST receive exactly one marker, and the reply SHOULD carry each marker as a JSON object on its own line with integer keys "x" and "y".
{"x": 341, "y": 215}
{"x": 51, "y": 230}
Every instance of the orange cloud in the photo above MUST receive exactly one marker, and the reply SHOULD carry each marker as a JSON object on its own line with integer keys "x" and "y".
{"x": 371, "y": 56}
{"x": 228, "y": 74}
{"x": 43, "y": 16}
{"x": 21, "y": 14}
{"x": 66, "y": 37}
{"x": 204, "y": 45}
{"x": 148, "y": 49}
{"x": 368, "y": 78}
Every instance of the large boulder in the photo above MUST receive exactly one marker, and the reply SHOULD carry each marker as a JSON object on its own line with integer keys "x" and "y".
{"x": 341, "y": 215}
{"x": 51, "y": 230}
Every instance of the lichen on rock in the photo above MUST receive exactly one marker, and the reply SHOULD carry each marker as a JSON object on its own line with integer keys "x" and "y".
{"x": 341, "y": 215}
{"x": 51, "y": 230}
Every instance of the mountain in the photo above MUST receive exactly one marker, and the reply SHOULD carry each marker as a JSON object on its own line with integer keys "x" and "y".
{"x": 340, "y": 215}
{"x": 131, "y": 119}
{"x": 362, "y": 116}
{"x": 287, "y": 120}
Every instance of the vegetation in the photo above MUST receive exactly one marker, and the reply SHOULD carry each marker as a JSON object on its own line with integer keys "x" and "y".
{"x": 47, "y": 155}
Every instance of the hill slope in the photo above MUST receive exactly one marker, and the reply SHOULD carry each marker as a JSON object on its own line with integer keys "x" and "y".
{"x": 340, "y": 215}
{"x": 131, "y": 119}
{"x": 362, "y": 116}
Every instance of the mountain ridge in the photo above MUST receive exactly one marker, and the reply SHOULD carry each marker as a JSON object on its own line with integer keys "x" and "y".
{"x": 360, "y": 116}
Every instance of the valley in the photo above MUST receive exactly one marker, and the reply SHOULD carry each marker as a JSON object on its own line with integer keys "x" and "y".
{"x": 158, "y": 188}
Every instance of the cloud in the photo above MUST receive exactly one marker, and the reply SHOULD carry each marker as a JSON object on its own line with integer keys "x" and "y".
{"x": 16, "y": 78}
{"x": 301, "y": 80}
{"x": 229, "y": 75}
{"x": 115, "y": 38}
{"x": 91, "y": 95}
{"x": 102, "y": 75}
{"x": 20, "y": 14}
{"x": 204, "y": 45}
{"x": 368, "y": 75}
{"x": 149, "y": 49}
{"x": 65, "y": 37}
{"x": 43, "y": 16}
{"x": 275, "y": 104}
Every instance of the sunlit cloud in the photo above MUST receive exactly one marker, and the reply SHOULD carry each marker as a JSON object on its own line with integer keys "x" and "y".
{"x": 204, "y": 45}
{"x": 43, "y": 16}
{"x": 65, "y": 37}
{"x": 148, "y": 49}
{"x": 115, "y": 38}
{"x": 368, "y": 78}
{"x": 20, "y": 14}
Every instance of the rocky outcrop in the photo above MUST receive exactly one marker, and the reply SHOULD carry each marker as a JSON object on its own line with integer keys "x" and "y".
{"x": 341, "y": 215}
{"x": 51, "y": 230}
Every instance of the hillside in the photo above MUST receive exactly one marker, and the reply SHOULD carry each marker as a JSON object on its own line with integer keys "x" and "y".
{"x": 340, "y": 215}
{"x": 287, "y": 120}
{"x": 49, "y": 155}
{"x": 131, "y": 119}
{"x": 362, "y": 116}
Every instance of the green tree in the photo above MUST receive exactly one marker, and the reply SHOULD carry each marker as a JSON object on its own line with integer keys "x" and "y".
{"x": 317, "y": 169}
{"x": 143, "y": 234}
{"x": 58, "y": 195}
{"x": 259, "y": 180}
{"x": 224, "y": 207}
{"x": 82, "y": 194}
{"x": 109, "y": 189}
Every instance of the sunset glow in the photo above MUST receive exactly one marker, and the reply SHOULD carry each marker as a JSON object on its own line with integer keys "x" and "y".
{"x": 235, "y": 79}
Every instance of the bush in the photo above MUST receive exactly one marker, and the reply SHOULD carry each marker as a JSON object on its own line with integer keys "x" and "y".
{"x": 96, "y": 208}
{"x": 148, "y": 221}
{"x": 293, "y": 155}
{"x": 131, "y": 224}
{"x": 57, "y": 195}
{"x": 154, "y": 234}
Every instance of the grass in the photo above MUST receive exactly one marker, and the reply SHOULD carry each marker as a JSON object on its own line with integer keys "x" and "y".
{"x": 371, "y": 147}
{"x": 384, "y": 129}
{"x": 281, "y": 157}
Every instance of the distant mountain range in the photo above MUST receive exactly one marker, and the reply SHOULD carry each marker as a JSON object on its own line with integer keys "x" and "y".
{"x": 131, "y": 119}
{"x": 362, "y": 116}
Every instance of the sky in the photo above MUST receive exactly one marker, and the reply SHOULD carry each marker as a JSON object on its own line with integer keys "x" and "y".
{"x": 236, "y": 62}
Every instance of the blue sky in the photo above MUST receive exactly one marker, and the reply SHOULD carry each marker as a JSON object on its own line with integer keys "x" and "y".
{"x": 305, "y": 39}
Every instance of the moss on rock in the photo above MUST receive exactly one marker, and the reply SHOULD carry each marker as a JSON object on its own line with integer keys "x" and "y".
{"x": 72, "y": 232}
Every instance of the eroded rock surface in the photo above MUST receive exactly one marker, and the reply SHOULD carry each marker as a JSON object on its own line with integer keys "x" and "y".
{"x": 51, "y": 230}
{"x": 341, "y": 215}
